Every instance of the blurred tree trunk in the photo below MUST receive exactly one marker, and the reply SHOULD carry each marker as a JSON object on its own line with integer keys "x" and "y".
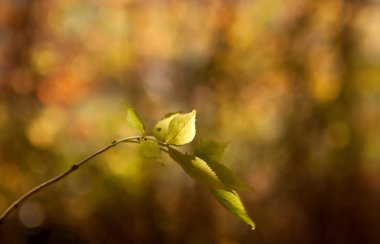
{"x": 328, "y": 199}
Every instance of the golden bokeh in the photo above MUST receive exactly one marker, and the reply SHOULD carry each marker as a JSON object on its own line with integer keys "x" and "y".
{"x": 293, "y": 87}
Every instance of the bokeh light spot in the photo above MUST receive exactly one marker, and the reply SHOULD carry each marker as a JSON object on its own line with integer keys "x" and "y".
{"x": 43, "y": 130}
{"x": 32, "y": 215}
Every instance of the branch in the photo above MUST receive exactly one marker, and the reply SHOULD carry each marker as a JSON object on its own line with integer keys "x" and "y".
{"x": 18, "y": 202}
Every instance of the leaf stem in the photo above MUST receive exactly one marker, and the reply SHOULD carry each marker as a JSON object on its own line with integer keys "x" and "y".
{"x": 151, "y": 138}
{"x": 162, "y": 145}
{"x": 19, "y": 201}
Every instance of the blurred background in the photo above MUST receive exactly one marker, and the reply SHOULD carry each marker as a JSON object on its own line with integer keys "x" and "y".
{"x": 294, "y": 87}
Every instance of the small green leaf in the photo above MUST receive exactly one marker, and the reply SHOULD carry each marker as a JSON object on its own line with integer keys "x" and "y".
{"x": 208, "y": 149}
{"x": 150, "y": 149}
{"x": 197, "y": 169}
{"x": 181, "y": 129}
{"x": 161, "y": 129}
{"x": 211, "y": 152}
{"x": 230, "y": 200}
{"x": 134, "y": 121}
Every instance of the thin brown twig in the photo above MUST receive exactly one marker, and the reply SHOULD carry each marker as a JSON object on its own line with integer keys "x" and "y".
{"x": 19, "y": 201}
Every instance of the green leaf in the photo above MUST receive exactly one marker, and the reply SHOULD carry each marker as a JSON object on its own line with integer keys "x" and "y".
{"x": 208, "y": 149}
{"x": 161, "y": 129}
{"x": 211, "y": 152}
{"x": 150, "y": 149}
{"x": 230, "y": 200}
{"x": 134, "y": 121}
{"x": 227, "y": 177}
{"x": 181, "y": 129}
{"x": 197, "y": 169}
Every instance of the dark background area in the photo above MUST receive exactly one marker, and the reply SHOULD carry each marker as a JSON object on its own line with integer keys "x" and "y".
{"x": 293, "y": 86}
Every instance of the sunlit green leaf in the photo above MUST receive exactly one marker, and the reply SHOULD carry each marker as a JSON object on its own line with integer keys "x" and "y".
{"x": 161, "y": 129}
{"x": 231, "y": 201}
{"x": 134, "y": 121}
{"x": 211, "y": 152}
{"x": 181, "y": 129}
{"x": 196, "y": 168}
{"x": 227, "y": 177}
{"x": 150, "y": 149}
